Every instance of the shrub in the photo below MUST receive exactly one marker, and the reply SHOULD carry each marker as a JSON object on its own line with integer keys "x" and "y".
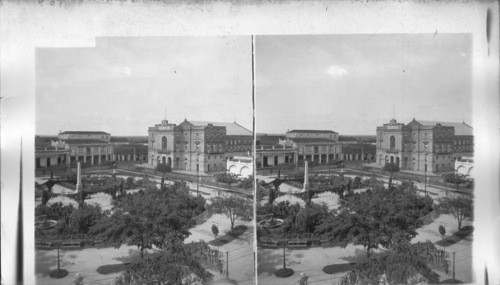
{"x": 338, "y": 268}
{"x": 357, "y": 183}
{"x": 163, "y": 168}
{"x": 112, "y": 268}
{"x": 284, "y": 272}
{"x": 58, "y": 273}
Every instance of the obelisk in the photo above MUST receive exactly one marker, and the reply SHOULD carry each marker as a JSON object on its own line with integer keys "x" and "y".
{"x": 306, "y": 177}
{"x": 78, "y": 177}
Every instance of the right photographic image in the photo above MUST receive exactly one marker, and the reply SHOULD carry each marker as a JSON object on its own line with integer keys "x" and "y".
{"x": 364, "y": 158}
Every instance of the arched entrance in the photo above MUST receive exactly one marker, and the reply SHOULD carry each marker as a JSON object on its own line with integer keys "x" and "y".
{"x": 163, "y": 159}
{"x": 169, "y": 162}
{"x": 397, "y": 160}
{"x": 233, "y": 169}
{"x": 245, "y": 171}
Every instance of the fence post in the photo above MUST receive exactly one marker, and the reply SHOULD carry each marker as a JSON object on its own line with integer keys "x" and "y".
{"x": 453, "y": 266}
{"x": 227, "y": 264}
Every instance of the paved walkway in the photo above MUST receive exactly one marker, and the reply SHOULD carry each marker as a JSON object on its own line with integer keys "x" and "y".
{"x": 311, "y": 261}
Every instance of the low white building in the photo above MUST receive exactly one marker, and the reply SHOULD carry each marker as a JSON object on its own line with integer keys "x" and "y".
{"x": 464, "y": 166}
{"x": 240, "y": 165}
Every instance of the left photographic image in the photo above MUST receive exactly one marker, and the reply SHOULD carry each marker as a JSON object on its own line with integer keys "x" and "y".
{"x": 144, "y": 162}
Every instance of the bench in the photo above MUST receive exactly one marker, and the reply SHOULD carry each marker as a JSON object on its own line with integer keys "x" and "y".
{"x": 71, "y": 244}
{"x": 297, "y": 243}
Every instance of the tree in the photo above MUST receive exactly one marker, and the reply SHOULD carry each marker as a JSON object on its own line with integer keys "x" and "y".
{"x": 357, "y": 183}
{"x": 402, "y": 264}
{"x": 273, "y": 194}
{"x": 151, "y": 218}
{"x": 377, "y": 218}
{"x": 215, "y": 230}
{"x": 163, "y": 168}
{"x": 460, "y": 207}
{"x": 227, "y": 177}
{"x": 172, "y": 265}
{"x": 391, "y": 167}
{"x": 83, "y": 218}
{"x": 455, "y": 178}
{"x": 234, "y": 207}
{"x": 442, "y": 230}
{"x": 247, "y": 183}
{"x": 55, "y": 211}
{"x": 130, "y": 183}
{"x": 303, "y": 221}
{"x": 45, "y": 196}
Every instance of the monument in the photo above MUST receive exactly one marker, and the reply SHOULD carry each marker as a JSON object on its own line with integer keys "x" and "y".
{"x": 306, "y": 177}
{"x": 78, "y": 177}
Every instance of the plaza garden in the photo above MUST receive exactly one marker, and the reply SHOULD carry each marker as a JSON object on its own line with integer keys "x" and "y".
{"x": 152, "y": 218}
{"x": 355, "y": 229}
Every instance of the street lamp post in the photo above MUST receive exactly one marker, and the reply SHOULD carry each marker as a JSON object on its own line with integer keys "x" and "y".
{"x": 425, "y": 168}
{"x": 198, "y": 174}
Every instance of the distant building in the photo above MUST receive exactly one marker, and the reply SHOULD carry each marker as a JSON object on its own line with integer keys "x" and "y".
{"x": 313, "y": 134}
{"x": 131, "y": 152}
{"x": 274, "y": 155}
{"x": 197, "y": 146}
{"x": 268, "y": 139}
{"x": 424, "y": 145}
{"x": 240, "y": 165}
{"x": 464, "y": 166}
{"x": 85, "y": 135}
{"x": 67, "y": 148}
{"x": 238, "y": 140}
{"x": 119, "y": 141}
{"x": 48, "y": 156}
{"x": 319, "y": 146}
{"x": 92, "y": 148}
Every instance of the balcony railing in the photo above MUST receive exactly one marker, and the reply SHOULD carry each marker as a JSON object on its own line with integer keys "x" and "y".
{"x": 165, "y": 151}
{"x": 388, "y": 150}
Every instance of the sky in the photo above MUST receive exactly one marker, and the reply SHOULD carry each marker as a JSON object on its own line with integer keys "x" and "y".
{"x": 347, "y": 83}
{"x": 353, "y": 83}
{"x": 125, "y": 85}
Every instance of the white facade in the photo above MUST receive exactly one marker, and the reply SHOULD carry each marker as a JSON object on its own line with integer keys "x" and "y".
{"x": 464, "y": 166}
{"x": 240, "y": 165}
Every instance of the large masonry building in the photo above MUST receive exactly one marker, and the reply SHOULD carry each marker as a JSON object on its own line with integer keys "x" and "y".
{"x": 424, "y": 145}
{"x": 197, "y": 146}
{"x": 88, "y": 147}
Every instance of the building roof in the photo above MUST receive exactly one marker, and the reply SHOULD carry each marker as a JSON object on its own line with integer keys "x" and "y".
{"x": 461, "y": 129}
{"x": 129, "y": 149}
{"x": 347, "y": 139}
{"x": 119, "y": 139}
{"x": 84, "y": 132}
{"x": 312, "y": 131}
{"x": 232, "y": 129}
{"x": 85, "y": 142}
{"x": 312, "y": 140}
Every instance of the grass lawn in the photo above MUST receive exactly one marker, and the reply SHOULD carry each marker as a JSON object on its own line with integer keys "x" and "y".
{"x": 230, "y": 236}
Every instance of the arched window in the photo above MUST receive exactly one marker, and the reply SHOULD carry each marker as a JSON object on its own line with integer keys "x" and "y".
{"x": 393, "y": 142}
{"x": 164, "y": 143}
